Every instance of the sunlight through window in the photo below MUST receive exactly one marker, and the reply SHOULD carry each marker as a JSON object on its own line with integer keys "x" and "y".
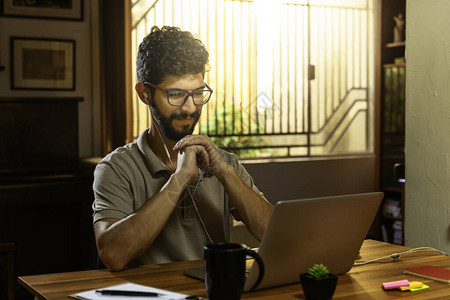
{"x": 290, "y": 78}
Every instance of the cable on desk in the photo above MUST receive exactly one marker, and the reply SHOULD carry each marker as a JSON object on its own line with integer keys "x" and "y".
{"x": 394, "y": 256}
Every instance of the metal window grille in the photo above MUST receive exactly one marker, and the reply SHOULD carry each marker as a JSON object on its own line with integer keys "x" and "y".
{"x": 289, "y": 79}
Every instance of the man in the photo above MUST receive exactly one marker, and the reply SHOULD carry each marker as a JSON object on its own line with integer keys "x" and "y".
{"x": 165, "y": 196}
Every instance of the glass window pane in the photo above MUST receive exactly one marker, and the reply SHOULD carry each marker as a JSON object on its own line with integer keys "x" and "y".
{"x": 290, "y": 78}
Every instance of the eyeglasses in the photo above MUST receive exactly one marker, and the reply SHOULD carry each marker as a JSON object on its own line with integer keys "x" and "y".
{"x": 177, "y": 97}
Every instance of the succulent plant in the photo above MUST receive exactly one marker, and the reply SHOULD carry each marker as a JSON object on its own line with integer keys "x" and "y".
{"x": 318, "y": 271}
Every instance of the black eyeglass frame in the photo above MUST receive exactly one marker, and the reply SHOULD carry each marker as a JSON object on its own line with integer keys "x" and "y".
{"x": 189, "y": 94}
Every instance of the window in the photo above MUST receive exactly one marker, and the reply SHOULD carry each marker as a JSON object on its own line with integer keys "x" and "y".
{"x": 290, "y": 78}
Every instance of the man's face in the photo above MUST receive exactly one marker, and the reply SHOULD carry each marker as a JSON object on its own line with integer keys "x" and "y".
{"x": 175, "y": 122}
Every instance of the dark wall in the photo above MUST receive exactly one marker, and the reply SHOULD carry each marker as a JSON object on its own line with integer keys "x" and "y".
{"x": 317, "y": 177}
{"x": 44, "y": 200}
{"x": 305, "y": 178}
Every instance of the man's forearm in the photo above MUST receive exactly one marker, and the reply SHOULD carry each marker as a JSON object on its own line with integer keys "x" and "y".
{"x": 254, "y": 210}
{"x": 128, "y": 238}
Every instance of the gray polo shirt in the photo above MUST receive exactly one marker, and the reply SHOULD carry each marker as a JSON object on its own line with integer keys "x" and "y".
{"x": 130, "y": 175}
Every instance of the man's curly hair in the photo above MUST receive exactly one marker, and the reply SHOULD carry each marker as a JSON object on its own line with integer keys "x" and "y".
{"x": 169, "y": 51}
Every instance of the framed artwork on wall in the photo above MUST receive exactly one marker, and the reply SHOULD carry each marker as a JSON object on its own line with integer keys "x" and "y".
{"x": 42, "y": 64}
{"x": 48, "y": 9}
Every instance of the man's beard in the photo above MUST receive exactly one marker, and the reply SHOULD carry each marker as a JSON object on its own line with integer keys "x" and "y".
{"x": 165, "y": 124}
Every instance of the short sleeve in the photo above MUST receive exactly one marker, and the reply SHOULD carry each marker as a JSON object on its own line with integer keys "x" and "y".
{"x": 112, "y": 192}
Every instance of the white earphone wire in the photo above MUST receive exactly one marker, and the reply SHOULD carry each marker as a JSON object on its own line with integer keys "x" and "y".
{"x": 162, "y": 140}
{"x": 191, "y": 193}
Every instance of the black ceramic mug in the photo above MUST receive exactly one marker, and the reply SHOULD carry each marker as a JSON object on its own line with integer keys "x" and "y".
{"x": 225, "y": 270}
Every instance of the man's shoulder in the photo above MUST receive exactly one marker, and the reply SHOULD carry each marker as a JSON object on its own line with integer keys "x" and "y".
{"x": 227, "y": 155}
{"x": 124, "y": 162}
{"x": 123, "y": 155}
{"x": 230, "y": 157}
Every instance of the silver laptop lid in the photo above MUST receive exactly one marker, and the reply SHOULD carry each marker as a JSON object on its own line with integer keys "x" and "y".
{"x": 303, "y": 232}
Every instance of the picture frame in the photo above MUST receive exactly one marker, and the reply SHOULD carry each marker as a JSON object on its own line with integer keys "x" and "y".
{"x": 70, "y": 10}
{"x": 42, "y": 64}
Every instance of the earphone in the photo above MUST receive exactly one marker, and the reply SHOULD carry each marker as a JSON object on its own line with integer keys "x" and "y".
{"x": 145, "y": 95}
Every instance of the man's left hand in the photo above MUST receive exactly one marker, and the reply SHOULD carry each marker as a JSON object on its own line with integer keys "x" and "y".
{"x": 215, "y": 164}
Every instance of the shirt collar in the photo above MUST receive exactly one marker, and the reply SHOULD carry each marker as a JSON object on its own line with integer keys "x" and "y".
{"x": 154, "y": 164}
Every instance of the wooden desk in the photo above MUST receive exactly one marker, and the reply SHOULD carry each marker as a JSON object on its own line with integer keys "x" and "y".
{"x": 362, "y": 282}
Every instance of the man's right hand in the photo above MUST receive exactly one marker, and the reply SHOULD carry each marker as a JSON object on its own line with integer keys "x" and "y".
{"x": 189, "y": 159}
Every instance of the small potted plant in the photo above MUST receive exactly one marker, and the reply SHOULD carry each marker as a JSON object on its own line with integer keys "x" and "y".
{"x": 318, "y": 283}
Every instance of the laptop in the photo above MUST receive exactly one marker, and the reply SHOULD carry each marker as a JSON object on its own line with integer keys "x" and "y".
{"x": 303, "y": 232}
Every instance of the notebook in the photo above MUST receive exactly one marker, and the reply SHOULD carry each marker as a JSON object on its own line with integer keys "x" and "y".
{"x": 303, "y": 232}
{"x": 430, "y": 272}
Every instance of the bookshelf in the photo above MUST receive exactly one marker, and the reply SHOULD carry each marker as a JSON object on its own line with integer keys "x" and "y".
{"x": 392, "y": 122}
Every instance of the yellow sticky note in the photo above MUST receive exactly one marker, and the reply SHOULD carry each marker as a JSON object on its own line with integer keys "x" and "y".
{"x": 424, "y": 287}
{"x": 412, "y": 285}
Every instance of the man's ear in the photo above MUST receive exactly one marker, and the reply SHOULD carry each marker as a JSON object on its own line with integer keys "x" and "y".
{"x": 142, "y": 92}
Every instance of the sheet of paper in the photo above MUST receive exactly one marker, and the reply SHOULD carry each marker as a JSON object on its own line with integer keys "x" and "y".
{"x": 92, "y": 295}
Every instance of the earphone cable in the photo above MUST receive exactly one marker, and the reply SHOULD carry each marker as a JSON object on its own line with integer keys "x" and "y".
{"x": 398, "y": 255}
{"x": 191, "y": 194}
{"x": 188, "y": 188}
{"x": 162, "y": 140}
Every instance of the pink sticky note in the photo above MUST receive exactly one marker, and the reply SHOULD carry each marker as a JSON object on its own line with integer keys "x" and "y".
{"x": 395, "y": 284}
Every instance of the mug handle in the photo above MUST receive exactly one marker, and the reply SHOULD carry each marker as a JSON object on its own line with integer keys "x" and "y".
{"x": 258, "y": 259}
